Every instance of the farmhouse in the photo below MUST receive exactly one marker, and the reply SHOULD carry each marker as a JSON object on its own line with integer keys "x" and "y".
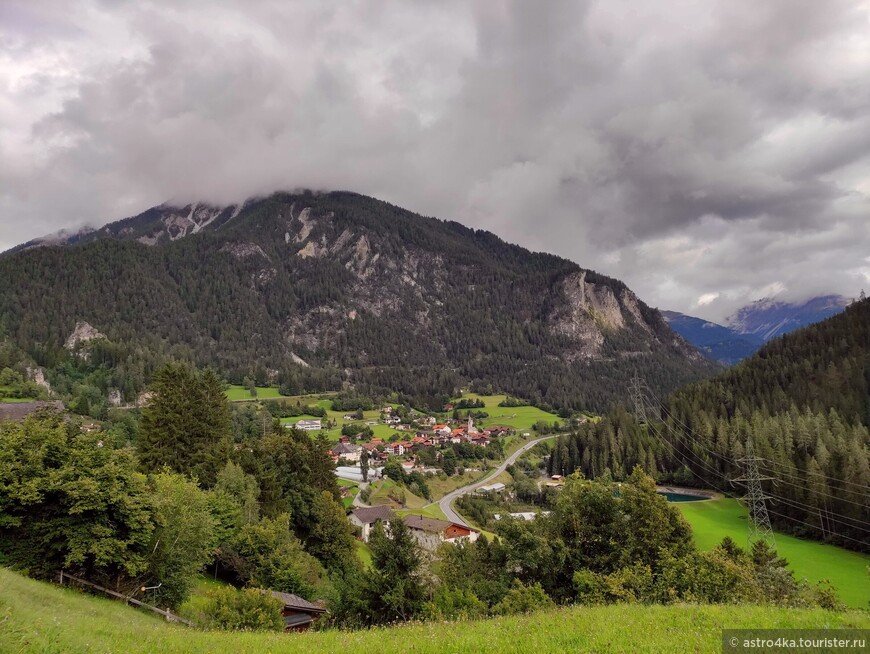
{"x": 366, "y": 517}
{"x": 430, "y": 532}
{"x": 298, "y": 613}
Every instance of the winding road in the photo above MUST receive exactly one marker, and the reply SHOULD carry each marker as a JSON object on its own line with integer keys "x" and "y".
{"x": 445, "y": 502}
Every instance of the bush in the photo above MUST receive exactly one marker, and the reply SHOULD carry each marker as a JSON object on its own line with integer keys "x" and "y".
{"x": 250, "y": 609}
{"x": 523, "y": 599}
{"x": 453, "y": 604}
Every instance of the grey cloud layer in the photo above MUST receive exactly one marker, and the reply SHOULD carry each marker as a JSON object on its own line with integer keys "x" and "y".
{"x": 706, "y": 153}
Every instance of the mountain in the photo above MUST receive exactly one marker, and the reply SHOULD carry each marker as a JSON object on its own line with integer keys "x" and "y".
{"x": 804, "y": 402}
{"x": 362, "y": 292}
{"x": 769, "y": 318}
{"x": 719, "y": 343}
{"x": 753, "y": 325}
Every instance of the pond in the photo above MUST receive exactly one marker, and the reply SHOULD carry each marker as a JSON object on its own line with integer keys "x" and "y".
{"x": 683, "y": 497}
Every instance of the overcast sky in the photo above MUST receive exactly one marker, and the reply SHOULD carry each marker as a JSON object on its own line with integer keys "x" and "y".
{"x": 707, "y": 153}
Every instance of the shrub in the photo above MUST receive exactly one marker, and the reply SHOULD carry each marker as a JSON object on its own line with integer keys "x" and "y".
{"x": 523, "y": 599}
{"x": 250, "y": 609}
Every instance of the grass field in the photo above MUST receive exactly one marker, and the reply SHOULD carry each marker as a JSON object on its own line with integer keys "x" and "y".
{"x": 237, "y": 393}
{"x": 517, "y": 417}
{"x": 364, "y": 553}
{"x": 39, "y": 617}
{"x": 712, "y": 520}
{"x": 380, "y": 494}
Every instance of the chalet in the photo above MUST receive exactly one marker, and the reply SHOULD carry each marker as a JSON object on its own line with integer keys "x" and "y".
{"x": 366, "y": 517}
{"x": 392, "y": 420}
{"x": 347, "y": 451}
{"x": 348, "y": 416}
{"x": 480, "y": 440}
{"x": 441, "y": 429}
{"x": 16, "y": 411}
{"x": 430, "y": 532}
{"x": 448, "y": 407}
{"x": 307, "y": 425}
{"x": 298, "y": 613}
{"x": 387, "y": 409}
{"x": 428, "y": 421}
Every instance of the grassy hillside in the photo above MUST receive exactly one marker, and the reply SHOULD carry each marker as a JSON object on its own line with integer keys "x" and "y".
{"x": 38, "y": 617}
{"x": 713, "y": 520}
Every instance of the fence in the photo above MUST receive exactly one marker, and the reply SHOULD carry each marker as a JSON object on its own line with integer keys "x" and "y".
{"x": 169, "y": 615}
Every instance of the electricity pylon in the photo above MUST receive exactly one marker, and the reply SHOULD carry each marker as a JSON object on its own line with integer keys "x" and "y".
{"x": 759, "y": 521}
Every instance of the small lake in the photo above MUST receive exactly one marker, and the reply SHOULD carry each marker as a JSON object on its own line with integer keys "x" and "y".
{"x": 681, "y": 497}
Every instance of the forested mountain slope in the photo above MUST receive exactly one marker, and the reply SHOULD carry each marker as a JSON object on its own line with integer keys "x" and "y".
{"x": 822, "y": 367}
{"x": 318, "y": 290}
{"x": 802, "y": 402}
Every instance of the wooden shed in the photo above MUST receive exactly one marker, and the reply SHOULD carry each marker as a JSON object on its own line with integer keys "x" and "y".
{"x": 298, "y": 613}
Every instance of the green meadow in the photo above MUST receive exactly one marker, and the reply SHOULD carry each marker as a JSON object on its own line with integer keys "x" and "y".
{"x": 40, "y": 617}
{"x": 516, "y": 417}
{"x": 236, "y": 393}
{"x": 713, "y": 520}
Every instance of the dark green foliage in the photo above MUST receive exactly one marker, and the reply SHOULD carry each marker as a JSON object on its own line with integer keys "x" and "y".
{"x": 265, "y": 554}
{"x": 187, "y": 425}
{"x": 184, "y": 537}
{"x": 454, "y": 604}
{"x": 292, "y": 470}
{"x": 249, "y": 609}
{"x": 523, "y": 599}
{"x": 69, "y": 502}
{"x": 392, "y": 589}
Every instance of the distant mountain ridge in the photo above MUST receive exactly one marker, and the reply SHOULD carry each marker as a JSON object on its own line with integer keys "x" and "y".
{"x": 749, "y": 328}
{"x": 716, "y": 341}
{"x": 367, "y": 294}
{"x": 768, "y": 318}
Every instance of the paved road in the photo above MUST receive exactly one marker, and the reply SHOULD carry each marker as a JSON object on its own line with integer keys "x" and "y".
{"x": 446, "y": 501}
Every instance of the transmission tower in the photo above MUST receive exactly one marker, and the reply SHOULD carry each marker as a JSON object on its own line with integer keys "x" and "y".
{"x": 759, "y": 521}
{"x": 639, "y": 400}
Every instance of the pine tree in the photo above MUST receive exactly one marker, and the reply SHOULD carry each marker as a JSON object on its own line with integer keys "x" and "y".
{"x": 394, "y": 588}
{"x": 187, "y": 424}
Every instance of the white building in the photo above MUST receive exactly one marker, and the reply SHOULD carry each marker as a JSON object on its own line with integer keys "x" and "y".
{"x": 307, "y": 425}
{"x": 366, "y": 517}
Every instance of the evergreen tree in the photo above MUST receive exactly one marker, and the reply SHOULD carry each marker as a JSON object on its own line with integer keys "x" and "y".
{"x": 186, "y": 425}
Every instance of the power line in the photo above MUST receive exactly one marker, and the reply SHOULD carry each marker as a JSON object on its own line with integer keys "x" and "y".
{"x": 863, "y": 543}
{"x": 863, "y": 487}
{"x": 688, "y": 429}
{"x": 759, "y": 520}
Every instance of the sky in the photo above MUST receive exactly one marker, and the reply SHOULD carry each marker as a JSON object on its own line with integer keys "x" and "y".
{"x": 706, "y": 153}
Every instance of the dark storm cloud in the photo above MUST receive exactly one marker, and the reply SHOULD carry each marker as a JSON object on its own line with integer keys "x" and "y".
{"x": 706, "y": 153}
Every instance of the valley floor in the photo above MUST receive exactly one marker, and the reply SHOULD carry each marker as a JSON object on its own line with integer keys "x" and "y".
{"x": 39, "y": 617}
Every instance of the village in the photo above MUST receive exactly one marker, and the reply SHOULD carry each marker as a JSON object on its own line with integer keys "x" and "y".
{"x": 428, "y": 433}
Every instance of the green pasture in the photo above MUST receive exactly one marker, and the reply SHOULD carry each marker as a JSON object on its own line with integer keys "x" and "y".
{"x": 40, "y": 617}
{"x": 236, "y": 393}
{"x": 713, "y": 520}
{"x": 516, "y": 417}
